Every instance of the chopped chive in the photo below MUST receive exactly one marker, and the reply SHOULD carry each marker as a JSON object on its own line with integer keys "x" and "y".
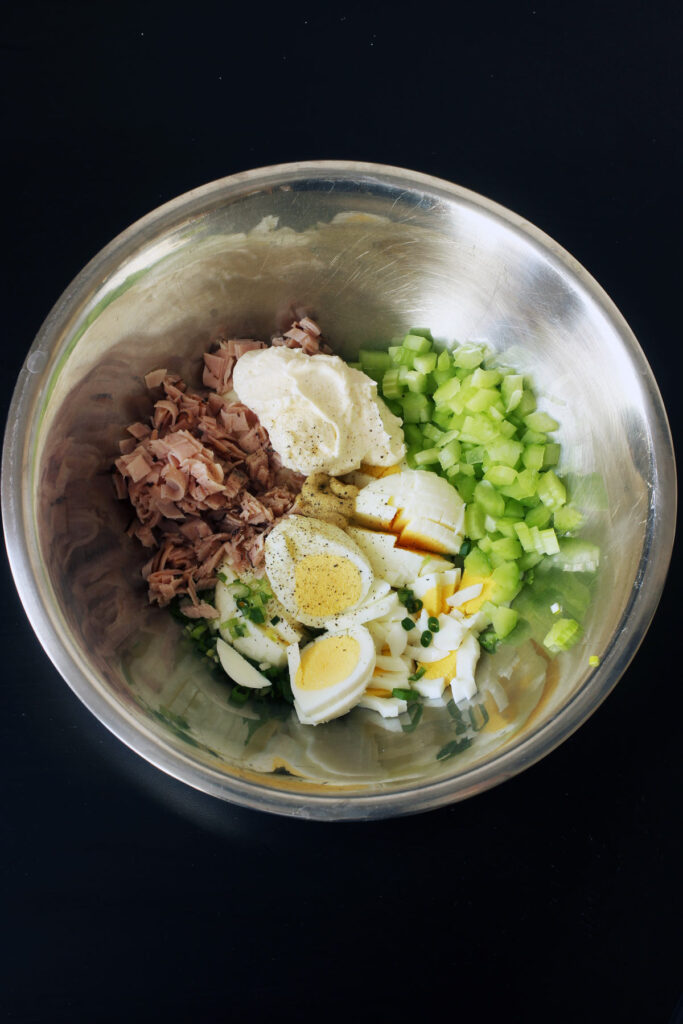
{"x": 465, "y": 548}
{"x": 407, "y": 624}
{"x": 433, "y": 624}
{"x": 426, "y": 638}
{"x": 415, "y": 605}
{"x": 275, "y": 619}
{"x": 417, "y": 675}
{"x": 239, "y": 694}
{"x": 222, "y": 577}
{"x": 408, "y": 695}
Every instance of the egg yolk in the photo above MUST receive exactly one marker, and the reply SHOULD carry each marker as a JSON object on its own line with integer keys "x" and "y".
{"x": 327, "y": 662}
{"x": 326, "y": 584}
{"x": 445, "y": 668}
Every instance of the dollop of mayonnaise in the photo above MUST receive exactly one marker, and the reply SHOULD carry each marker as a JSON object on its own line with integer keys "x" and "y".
{"x": 322, "y": 416}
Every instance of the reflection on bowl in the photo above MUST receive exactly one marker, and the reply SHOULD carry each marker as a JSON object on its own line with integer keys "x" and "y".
{"x": 368, "y": 251}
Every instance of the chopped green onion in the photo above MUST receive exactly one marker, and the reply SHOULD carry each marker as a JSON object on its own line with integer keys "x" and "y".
{"x": 426, "y": 638}
{"x": 275, "y": 619}
{"x": 407, "y": 624}
{"x": 417, "y": 675}
{"x": 433, "y": 624}
{"x": 408, "y": 695}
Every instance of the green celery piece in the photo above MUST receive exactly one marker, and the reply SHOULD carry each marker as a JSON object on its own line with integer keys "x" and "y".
{"x": 482, "y": 399}
{"x": 491, "y": 501}
{"x": 485, "y": 378}
{"x": 413, "y": 434}
{"x": 508, "y": 548}
{"x": 506, "y": 582}
{"x": 444, "y": 439}
{"x": 541, "y": 422}
{"x": 467, "y": 357}
{"x": 514, "y": 509}
{"x": 504, "y": 620}
{"x": 449, "y": 454}
{"x": 374, "y": 360}
{"x": 507, "y": 429}
{"x": 551, "y": 490}
{"x": 479, "y": 429}
{"x": 567, "y": 519}
{"x": 500, "y": 476}
{"x": 524, "y": 534}
{"x": 401, "y": 356}
{"x": 474, "y": 522}
{"x": 533, "y": 456}
{"x": 444, "y": 361}
{"x": 463, "y": 484}
{"x": 539, "y": 516}
{"x": 421, "y": 332}
{"x": 512, "y": 388}
{"x": 391, "y": 386}
{"x": 432, "y": 433}
{"x": 526, "y": 406}
{"x": 417, "y": 382}
{"x": 477, "y": 563}
{"x": 427, "y": 456}
{"x": 551, "y": 456}
{"x": 416, "y": 343}
{"x": 417, "y": 408}
{"x": 440, "y": 377}
{"x": 562, "y": 635}
{"x": 425, "y": 363}
{"x": 549, "y": 541}
{"x": 504, "y": 452}
{"x": 442, "y": 418}
{"x": 447, "y": 391}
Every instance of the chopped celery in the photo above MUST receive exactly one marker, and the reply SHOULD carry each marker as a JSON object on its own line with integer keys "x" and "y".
{"x": 507, "y": 548}
{"x": 504, "y": 620}
{"x": 474, "y": 522}
{"x": 427, "y": 456}
{"x": 551, "y": 456}
{"x": 440, "y": 377}
{"x": 485, "y": 378}
{"x": 416, "y": 408}
{"x": 533, "y": 456}
{"x": 431, "y": 432}
{"x": 511, "y": 388}
{"x": 391, "y": 387}
{"x": 481, "y": 399}
{"x": 449, "y": 454}
{"x": 468, "y": 356}
{"x": 442, "y": 418}
{"x": 444, "y": 439}
{"x": 539, "y": 516}
{"x": 401, "y": 356}
{"x": 551, "y": 490}
{"x": 541, "y": 421}
{"x": 417, "y": 343}
{"x": 375, "y": 364}
{"x": 477, "y": 564}
{"x": 489, "y": 499}
{"x": 562, "y": 635}
{"x": 417, "y": 382}
{"x": 504, "y": 452}
{"x": 526, "y": 406}
{"x": 506, "y": 582}
{"x": 514, "y": 509}
{"x": 422, "y": 332}
{"x": 500, "y": 476}
{"x": 524, "y": 534}
{"x": 567, "y": 519}
{"x": 425, "y": 363}
{"x": 447, "y": 391}
{"x": 413, "y": 434}
{"x": 444, "y": 361}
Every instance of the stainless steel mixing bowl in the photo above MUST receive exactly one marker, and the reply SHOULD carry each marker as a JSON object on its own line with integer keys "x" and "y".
{"x": 369, "y": 250}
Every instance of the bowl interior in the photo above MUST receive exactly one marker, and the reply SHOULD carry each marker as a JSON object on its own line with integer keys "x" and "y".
{"x": 368, "y": 254}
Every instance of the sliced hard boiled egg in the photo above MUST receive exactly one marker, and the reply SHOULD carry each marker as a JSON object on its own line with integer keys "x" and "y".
{"x": 411, "y": 494}
{"x": 261, "y": 642}
{"x": 316, "y": 571}
{"x": 329, "y": 676}
{"x": 388, "y": 707}
{"x": 238, "y": 668}
{"x": 463, "y": 685}
{"x": 398, "y": 566}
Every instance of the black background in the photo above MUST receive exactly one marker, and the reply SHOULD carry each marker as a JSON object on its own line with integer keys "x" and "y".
{"x": 554, "y": 897}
